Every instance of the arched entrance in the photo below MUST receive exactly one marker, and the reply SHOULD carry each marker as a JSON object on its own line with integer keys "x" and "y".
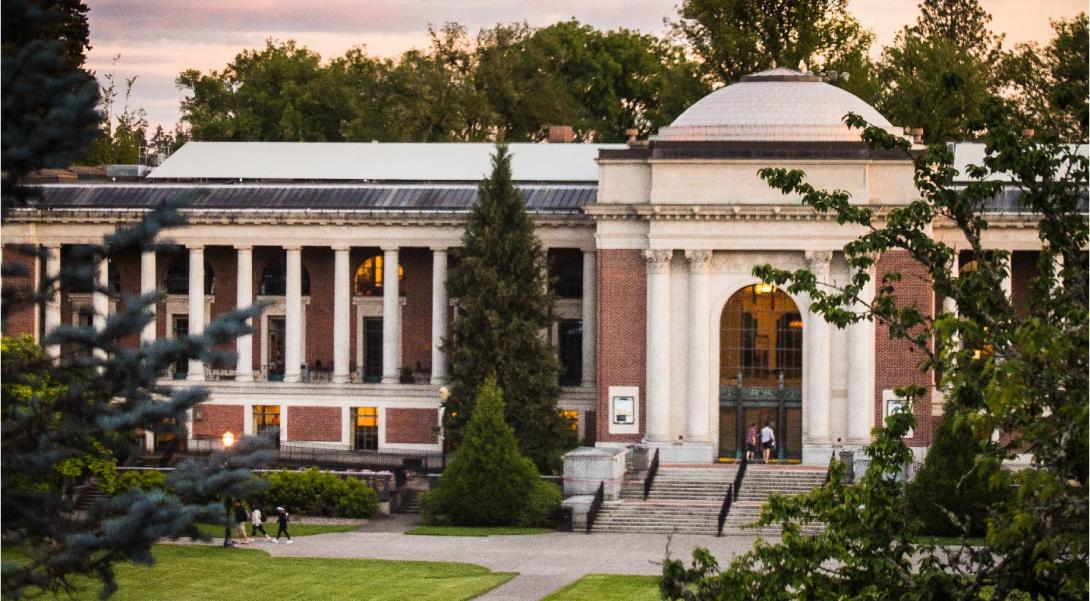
{"x": 760, "y": 370}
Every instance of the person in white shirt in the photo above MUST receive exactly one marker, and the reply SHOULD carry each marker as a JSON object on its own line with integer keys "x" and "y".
{"x": 768, "y": 440}
{"x": 257, "y": 521}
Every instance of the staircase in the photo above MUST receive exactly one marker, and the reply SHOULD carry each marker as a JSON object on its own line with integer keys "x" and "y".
{"x": 687, "y": 499}
{"x": 760, "y": 482}
{"x": 410, "y": 501}
{"x": 683, "y": 499}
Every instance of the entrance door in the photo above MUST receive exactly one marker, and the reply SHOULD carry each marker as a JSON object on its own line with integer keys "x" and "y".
{"x": 760, "y": 370}
{"x": 276, "y": 347}
{"x": 372, "y": 349}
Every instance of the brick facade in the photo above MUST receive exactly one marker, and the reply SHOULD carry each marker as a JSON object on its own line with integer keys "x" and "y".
{"x": 896, "y": 362}
{"x": 21, "y": 321}
{"x": 320, "y": 424}
{"x": 622, "y": 333}
{"x": 217, "y": 419}
{"x": 411, "y": 426}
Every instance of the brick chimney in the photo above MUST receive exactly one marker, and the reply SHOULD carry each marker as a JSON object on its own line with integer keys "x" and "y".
{"x": 561, "y": 134}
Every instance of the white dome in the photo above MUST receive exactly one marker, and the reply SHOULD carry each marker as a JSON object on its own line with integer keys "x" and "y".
{"x": 778, "y": 105}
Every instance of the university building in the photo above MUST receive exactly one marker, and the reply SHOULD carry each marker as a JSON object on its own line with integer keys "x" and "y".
{"x": 664, "y": 335}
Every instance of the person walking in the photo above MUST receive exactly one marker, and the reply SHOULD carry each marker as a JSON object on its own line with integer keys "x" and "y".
{"x": 751, "y": 442}
{"x": 768, "y": 440}
{"x": 240, "y": 524}
{"x": 282, "y": 524}
{"x": 257, "y": 523}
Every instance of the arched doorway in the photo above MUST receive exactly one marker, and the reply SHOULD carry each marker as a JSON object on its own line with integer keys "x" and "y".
{"x": 760, "y": 370}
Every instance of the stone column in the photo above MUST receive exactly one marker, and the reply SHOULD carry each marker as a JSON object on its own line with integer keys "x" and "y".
{"x": 590, "y": 312}
{"x": 658, "y": 344}
{"x": 861, "y": 372}
{"x": 244, "y": 297}
{"x": 699, "y": 346}
{"x": 196, "y": 307}
{"x": 439, "y": 309}
{"x": 816, "y": 402}
{"x": 293, "y": 312}
{"x": 53, "y": 303}
{"x": 391, "y": 318}
{"x": 100, "y": 301}
{"x": 147, "y": 286}
{"x": 342, "y": 311}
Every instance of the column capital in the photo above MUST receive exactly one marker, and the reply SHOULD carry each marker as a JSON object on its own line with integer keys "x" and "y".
{"x": 819, "y": 259}
{"x": 699, "y": 260}
{"x": 243, "y": 246}
{"x": 439, "y": 248}
{"x": 297, "y": 247}
{"x": 658, "y": 260}
{"x": 341, "y": 247}
{"x": 390, "y": 247}
{"x": 194, "y": 246}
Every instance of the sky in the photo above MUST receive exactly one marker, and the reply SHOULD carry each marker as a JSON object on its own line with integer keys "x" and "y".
{"x": 157, "y": 39}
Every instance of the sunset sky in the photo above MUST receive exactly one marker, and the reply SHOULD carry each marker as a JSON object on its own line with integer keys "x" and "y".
{"x": 157, "y": 39}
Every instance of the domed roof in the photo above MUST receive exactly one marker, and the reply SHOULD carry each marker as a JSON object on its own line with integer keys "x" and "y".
{"x": 778, "y": 105}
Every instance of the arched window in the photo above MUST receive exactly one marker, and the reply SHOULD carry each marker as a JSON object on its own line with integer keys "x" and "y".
{"x": 274, "y": 280}
{"x": 177, "y": 278}
{"x": 368, "y": 279}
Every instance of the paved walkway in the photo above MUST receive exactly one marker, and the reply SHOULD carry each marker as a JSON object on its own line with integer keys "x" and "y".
{"x": 544, "y": 562}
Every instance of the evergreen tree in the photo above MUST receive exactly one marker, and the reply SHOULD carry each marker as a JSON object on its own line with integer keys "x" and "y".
{"x": 68, "y": 418}
{"x": 951, "y": 483}
{"x": 499, "y": 281}
{"x": 488, "y": 482}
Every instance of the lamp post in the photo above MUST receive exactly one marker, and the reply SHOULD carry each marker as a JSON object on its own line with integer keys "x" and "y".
{"x": 444, "y": 394}
{"x": 228, "y": 442}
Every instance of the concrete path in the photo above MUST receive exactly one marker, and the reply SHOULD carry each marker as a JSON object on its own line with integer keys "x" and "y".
{"x": 544, "y": 562}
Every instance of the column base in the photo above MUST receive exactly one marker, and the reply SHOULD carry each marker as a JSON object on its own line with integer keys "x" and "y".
{"x": 438, "y": 381}
{"x": 194, "y": 378}
{"x": 391, "y": 380}
{"x": 244, "y": 378}
{"x": 340, "y": 378}
{"x": 291, "y": 378}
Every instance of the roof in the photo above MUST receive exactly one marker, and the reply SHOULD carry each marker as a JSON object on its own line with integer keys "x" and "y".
{"x": 350, "y": 161}
{"x": 363, "y": 197}
{"x": 778, "y": 105}
{"x": 973, "y": 153}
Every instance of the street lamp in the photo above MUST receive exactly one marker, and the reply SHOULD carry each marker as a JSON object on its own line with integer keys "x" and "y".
{"x": 228, "y": 442}
{"x": 444, "y": 394}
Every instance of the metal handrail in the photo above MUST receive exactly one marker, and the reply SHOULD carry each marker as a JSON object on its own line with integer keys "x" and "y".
{"x": 651, "y": 473}
{"x": 724, "y": 510}
{"x": 596, "y": 505}
{"x": 829, "y": 469}
{"x": 739, "y": 475}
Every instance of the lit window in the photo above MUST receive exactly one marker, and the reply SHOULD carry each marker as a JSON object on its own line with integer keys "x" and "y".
{"x": 571, "y": 418}
{"x": 365, "y": 428}
{"x": 265, "y": 417}
{"x": 368, "y": 280}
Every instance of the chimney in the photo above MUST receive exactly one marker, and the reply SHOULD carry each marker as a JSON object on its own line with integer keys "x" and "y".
{"x": 560, "y": 134}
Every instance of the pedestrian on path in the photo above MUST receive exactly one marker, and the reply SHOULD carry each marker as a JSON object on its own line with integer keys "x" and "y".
{"x": 282, "y": 524}
{"x": 751, "y": 442}
{"x": 768, "y": 440}
{"x": 240, "y": 523}
{"x": 257, "y": 522}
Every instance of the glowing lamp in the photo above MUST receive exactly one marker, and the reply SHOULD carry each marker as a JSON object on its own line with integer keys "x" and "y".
{"x": 228, "y": 440}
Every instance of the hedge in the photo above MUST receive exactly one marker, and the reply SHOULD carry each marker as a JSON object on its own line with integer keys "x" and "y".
{"x": 314, "y": 492}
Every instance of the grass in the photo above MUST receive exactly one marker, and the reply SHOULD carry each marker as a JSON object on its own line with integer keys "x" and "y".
{"x": 202, "y": 573}
{"x": 475, "y": 531}
{"x": 608, "y": 587}
{"x": 216, "y": 530}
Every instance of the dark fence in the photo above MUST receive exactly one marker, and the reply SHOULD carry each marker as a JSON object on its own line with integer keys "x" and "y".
{"x": 303, "y": 454}
{"x": 732, "y": 494}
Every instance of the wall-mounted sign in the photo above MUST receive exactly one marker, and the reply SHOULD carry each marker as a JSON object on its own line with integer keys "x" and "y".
{"x": 894, "y": 404}
{"x": 624, "y": 410}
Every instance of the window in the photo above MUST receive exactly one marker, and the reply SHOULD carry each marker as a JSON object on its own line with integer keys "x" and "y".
{"x": 368, "y": 280}
{"x": 265, "y": 417}
{"x": 571, "y": 420}
{"x": 177, "y": 278}
{"x": 274, "y": 281}
{"x": 180, "y": 329}
{"x": 566, "y": 272}
{"x": 87, "y": 285}
{"x": 365, "y": 428}
{"x": 570, "y": 347}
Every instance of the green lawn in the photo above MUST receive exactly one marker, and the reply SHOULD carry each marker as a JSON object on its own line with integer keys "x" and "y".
{"x": 202, "y": 573}
{"x": 216, "y": 530}
{"x": 608, "y": 587}
{"x": 475, "y": 531}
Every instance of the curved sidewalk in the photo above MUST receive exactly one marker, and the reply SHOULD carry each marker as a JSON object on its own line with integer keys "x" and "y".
{"x": 544, "y": 562}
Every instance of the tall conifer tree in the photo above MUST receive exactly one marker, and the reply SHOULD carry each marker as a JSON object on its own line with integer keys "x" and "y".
{"x": 504, "y": 306}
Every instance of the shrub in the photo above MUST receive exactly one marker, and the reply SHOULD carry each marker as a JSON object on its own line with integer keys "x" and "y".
{"x": 544, "y": 500}
{"x": 488, "y": 482}
{"x": 142, "y": 479}
{"x": 951, "y": 481}
{"x": 315, "y": 492}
